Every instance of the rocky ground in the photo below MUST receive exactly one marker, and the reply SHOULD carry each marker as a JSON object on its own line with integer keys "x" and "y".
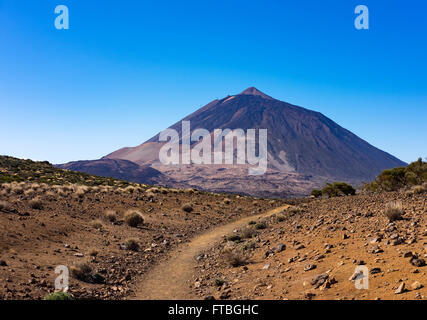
{"x": 209, "y": 245}
{"x": 311, "y": 250}
{"x": 43, "y": 226}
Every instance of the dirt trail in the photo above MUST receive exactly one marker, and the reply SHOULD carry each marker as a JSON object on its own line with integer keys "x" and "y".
{"x": 171, "y": 279}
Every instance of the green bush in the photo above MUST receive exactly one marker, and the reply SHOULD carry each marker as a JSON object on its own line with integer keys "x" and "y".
{"x": 59, "y": 296}
{"x": 337, "y": 189}
{"x": 345, "y": 188}
{"x": 316, "y": 193}
{"x": 395, "y": 179}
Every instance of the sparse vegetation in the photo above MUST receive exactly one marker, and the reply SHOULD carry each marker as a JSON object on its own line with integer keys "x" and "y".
{"x": 395, "y": 179}
{"x": 59, "y": 296}
{"x": 132, "y": 245}
{"x": 134, "y": 218}
{"x": 187, "y": 208}
{"x": 4, "y": 206}
{"x": 82, "y": 272}
{"x": 129, "y": 189}
{"x": 93, "y": 253}
{"x": 17, "y": 189}
{"x": 80, "y": 190}
{"x": 280, "y": 218}
{"x": 419, "y": 189}
{"x": 250, "y": 245}
{"x": 316, "y": 193}
{"x": 294, "y": 210}
{"x": 338, "y": 189}
{"x": 248, "y": 233}
{"x": 111, "y": 215}
{"x": 393, "y": 210}
{"x": 29, "y": 192}
{"x": 36, "y": 203}
{"x": 260, "y": 226}
{"x": 234, "y": 238}
{"x": 219, "y": 282}
{"x": 96, "y": 224}
{"x": 235, "y": 259}
{"x": 18, "y": 170}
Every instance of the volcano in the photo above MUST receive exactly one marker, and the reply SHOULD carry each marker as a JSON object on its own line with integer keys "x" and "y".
{"x": 305, "y": 149}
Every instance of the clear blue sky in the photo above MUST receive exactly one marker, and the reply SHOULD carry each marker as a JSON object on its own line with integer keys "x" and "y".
{"x": 126, "y": 70}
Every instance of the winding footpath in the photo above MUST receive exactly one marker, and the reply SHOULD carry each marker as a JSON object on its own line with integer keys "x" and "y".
{"x": 170, "y": 280}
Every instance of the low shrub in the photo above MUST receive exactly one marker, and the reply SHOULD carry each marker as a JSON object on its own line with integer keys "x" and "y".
{"x": 132, "y": 245}
{"x": 82, "y": 272}
{"x": 261, "y": 226}
{"x": 395, "y": 179}
{"x": 59, "y": 296}
{"x": 316, "y": 193}
{"x": 4, "y": 206}
{"x": 187, "y": 208}
{"x": 419, "y": 189}
{"x": 110, "y": 215}
{"x": 235, "y": 259}
{"x": 393, "y": 210}
{"x": 134, "y": 218}
{"x": 219, "y": 282}
{"x": 234, "y": 238}
{"x": 97, "y": 224}
{"x": 248, "y": 233}
{"x": 36, "y": 203}
{"x": 337, "y": 189}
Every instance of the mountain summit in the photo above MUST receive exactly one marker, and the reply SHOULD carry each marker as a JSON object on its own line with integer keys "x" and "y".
{"x": 255, "y": 92}
{"x": 305, "y": 149}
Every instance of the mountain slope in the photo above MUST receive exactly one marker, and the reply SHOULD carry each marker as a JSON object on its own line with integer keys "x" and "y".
{"x": 299, "y": 140}
{"x": 120, "y": 169}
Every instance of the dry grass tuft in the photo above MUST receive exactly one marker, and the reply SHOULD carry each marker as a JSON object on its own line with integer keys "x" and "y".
{"x": 97, "y": 224}
{"x": 235, "y": 259}
{"x": 129, "y": 189}
{"x": 249, "y": 233}
{"x": 132, "y": 245}
{"x": 133, "y": 218}
{"x": 93, "y": 253}
{"x": 110, "y": 215}
{"x": 4, "y": 206}
{"x": 50, "y": 194}
{"x": 419, "y": 189}
{"x": 150, "y": 195}
{"x": 36, "y": 204}
{"x": 260, "y": 226}
{"x": 152, "y": 190}
{"x": 393, "y": 210}
{"x": 82, "y": 271}
{"x": 29, "y": 192}
{"x": 17, "y": 189}
{"x": 80, "y": 191}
